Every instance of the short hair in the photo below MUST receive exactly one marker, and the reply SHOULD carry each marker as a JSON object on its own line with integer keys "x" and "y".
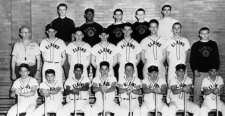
{"x": 23, "y": 27}
{"x": 180, "y": 66}
{"x": 129, "y": 64}
{"x": 140, "y": 9}
{"x": 89, "y": 10}
{"x": 127, "y": 24}
{"x": 50, "y": 26}
{"x": 62, "y": 4}
{"x": 203, "y": 29}
{"x": 105, "y": 30}
{"x": 177, "y": 23}
{"x": 104, "y": 63}
{"x": 74, "y": 30}
{"x": 23, "y": 65}
{"x": 153, "y": 68}
{"x": 76, "y": 66}
{"x": 117, "y": 10}
{"x": 49, "y": 71}
{"x": 167, "y": 5}
{"x": 154, "y": 21}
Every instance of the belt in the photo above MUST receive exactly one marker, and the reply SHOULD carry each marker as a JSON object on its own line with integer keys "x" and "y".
{"x": 82, "y": 99}
{"x": 51, "y": 62}
{"x": 128, "y": 98}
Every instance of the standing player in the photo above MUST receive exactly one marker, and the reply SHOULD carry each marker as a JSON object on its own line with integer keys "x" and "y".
{"x": 104, "y": 51}
{"x": 128, "y": 50}
{"x": 105, "y": 86}
{"x": 115, "y": 29}
{"x": 26, "y": 51}
{"x": 91, "y": 28}
{"x": 77, "y": 89}
{"x": 79, "y": 52}
{"x": 212, "y": 87}
{"x": 179, "y": 85}
{"x": 177, "y": 50}
{"x": 129, "y": 89}
{"x": 154, "y": 86}
{"x": 153, "y": 50}
{"x": 51, "y": 90}
{"x": 53, "y": 52}
{"x": 166, "y": 23}
{"x": 25, "y": 89}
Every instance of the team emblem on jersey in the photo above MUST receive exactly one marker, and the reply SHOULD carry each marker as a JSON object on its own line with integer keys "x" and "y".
{"x": 90, "y": 31}
{"x": 141, "y": 29}
{"x": 118, "y": 33}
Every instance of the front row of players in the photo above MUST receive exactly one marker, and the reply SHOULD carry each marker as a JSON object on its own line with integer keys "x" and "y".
{"x": 127, "y": 96}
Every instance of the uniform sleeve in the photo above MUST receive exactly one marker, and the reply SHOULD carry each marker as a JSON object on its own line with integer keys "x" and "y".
{"x": 118, "y": 47}
{"x": 172, "y": 82}
{"x": 220, "y": 82}
{"x": 34, "y": 82}
{"x": 162, "y": 82}
{"x": 63, "y": 45}
{"x": 67, "y": 83}
{"x": 89, "y": 49}
{"x": 204, "y": 84}
{"x": 167, "y": 45}
{"x": 96, "y": 80}
{"x": 43, "y": 86}
{"x": 15, "y": 85}
{"x": 42, "y": 46}
{"x": 189, "y": 81}
{"x": 69, "y": 49}
{"x": 138, "y": 48}
{"x": 94, "y": 50}
{"x": 143, "y": 43}
{"x": 15, "y": 50}
{"x": 36, "y": 49}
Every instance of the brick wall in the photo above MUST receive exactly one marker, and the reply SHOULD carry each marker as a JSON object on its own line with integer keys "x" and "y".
{"x": 192, "y": 13}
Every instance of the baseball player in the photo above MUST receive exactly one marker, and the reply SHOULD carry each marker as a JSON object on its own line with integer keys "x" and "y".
{"x": 129, "y": 90}
{"x": 166, "y": 22}
{"x": 104, "y": 87}
{"x": 25, "y": 88}
{"x": 153, "y": 50}
{"x": 128, "y": 50}
{"x": 51, "y": 90}
{"x": 53, "y": 52}
{"x": 181, "y": 88}
{"x": 26, "y": 51}
{"x": 176, "y": 50}
{"x": 154, "y": 86}
{"x": 104, "y": 51}
{"x": 79, "y": 52}
{"x": 78, "y": 96}
{"x": 211, "y": 88}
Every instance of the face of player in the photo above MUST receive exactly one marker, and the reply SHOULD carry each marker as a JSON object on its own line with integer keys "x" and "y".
{"x": 51, "y": 33}
{"x": 212, "y": 72}
{"x": 25, "y": 33}
{"x": 89, "y": 16}
{"x": 104, "y": 36}
{"x": 79, "y": 35}
{"x": 153, "y": 74}
{"x": 176, "y": 29}
{"x": 166, "y": 11}
{"x": 204, "y": 34}
{"x": 129, "y": 71}
{"x": 127, "y": 30}
{"x": 104, "y": 70}
{"x": 118, "y": 16}
{"x": 180, "y": 73}
{"x": 140, "y": 15}
{"x": 50, "y": 77}
{"x": 153, "y": 28}
{"x": 62, "y": 11}
{"x": 24, "y": 72}
{"x": 78, "y": 72}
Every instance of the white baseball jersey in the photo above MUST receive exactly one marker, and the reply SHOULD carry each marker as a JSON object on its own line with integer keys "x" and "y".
{"x": 209, "y": 83}
{"x": 128, "y": 51}
{"x": 52, "y": 49}
{"x": 179, "y": 98}
{"x": 165, "y": 27}
{"x": 26, "y": 54}
{"x": 80, "y": 53}
{"x": 177, "y": 49}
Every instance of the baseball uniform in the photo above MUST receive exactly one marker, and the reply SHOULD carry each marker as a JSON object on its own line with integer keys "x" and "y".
{"x": 209, "y": 102}
{"x": 82, "y": 99}
{"x": 79, "y": 53}
{"x": 53, "y": 102}
{"x": 104, "y": 52}
{"x": 149, "y": 98}
{"x": 26, "y": 103}
{"x": 153, "y": 50}
{"x": 128, "y": 50}
{"x": 52, "y": 51}
{"x": 165, "y": 27}
{"x": 177, "y": 100}
{"x": 176, "y": 53}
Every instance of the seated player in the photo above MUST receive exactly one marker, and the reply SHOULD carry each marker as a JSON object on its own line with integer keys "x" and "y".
{"x": 78, "y": 96}
{"x": 104, "y": 87}
{"x": 51, "y": 90}
{"x": 181, "y": 88}
{"x": 129, "y": 90}
{"x": 154, "y": 88}
{"x": 25, "y": 89}
{"x": 211, "y": 88}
